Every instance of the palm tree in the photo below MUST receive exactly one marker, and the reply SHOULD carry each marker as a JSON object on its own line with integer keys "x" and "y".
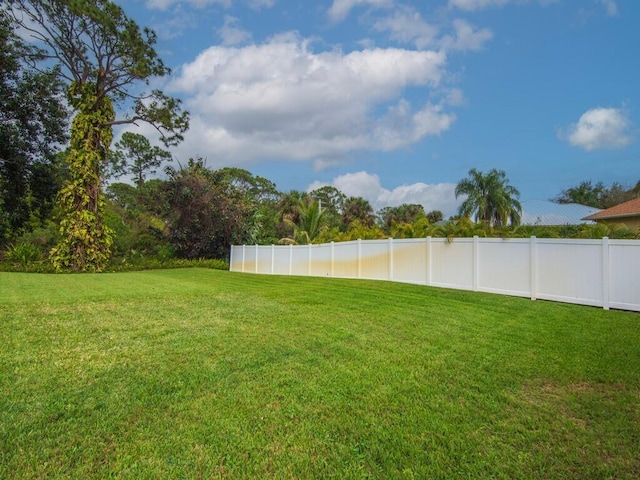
{"x": 309, "y": 223}
{"x": 357, "y": 209}
{"x": 490, "y": 198}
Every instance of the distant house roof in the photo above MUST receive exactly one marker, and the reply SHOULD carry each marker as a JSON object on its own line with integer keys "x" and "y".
{"x": 626, "y": 209}
{"x": 545, "y": 212}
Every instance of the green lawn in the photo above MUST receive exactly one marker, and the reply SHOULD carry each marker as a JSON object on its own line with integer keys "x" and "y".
{"x": 209, "y": 374}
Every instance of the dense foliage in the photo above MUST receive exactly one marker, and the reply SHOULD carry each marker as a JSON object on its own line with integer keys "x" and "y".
{"x": 598, "y": 195}
{"x": 33, "y": 121}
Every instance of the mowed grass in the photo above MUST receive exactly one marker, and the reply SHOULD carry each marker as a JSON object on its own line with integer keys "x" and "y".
{"x": 210, "y": 374}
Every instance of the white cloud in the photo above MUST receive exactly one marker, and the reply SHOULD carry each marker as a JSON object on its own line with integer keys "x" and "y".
{"x": 406, "y": 25}
{"x": 600, "y": 128}
{"x": 471, "y": 5}
{"x": 610, "y": 6}
{"x": 165, "y": 4}
{"x": 281, "y": 100}
{"x": 340, "y": 9}
{"x": 258, "y": 4}
{"x": 466, "y": 37}
{"x": 231, "y": 33}
{"x": 439, "y": 196}
{"x": 176, "y": 24}
{"x": 474, "y": 5}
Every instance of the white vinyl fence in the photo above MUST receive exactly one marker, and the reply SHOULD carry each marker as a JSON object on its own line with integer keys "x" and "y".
{"x": 604, "y": 273}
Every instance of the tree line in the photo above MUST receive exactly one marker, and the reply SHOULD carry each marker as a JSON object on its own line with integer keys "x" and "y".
{"x": 88, "y": 70}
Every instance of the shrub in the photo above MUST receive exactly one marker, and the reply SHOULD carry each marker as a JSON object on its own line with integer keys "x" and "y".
{"x": 23, "y": 253}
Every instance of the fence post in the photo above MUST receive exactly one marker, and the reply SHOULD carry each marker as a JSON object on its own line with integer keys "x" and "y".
{"x": 475, "y": 263}
{"x": 244, "y": 249}
{"x": 309, "y": 270}
{"x": 533, "y": 267}
{"x": 428, "y": 269}
{"x": 390, "y": 259}
{"x": 359, "y": 258}
{"x": 290, "y": 258}
{"x": 606, "y": 278}
{"x": 273, "y": 259}
{"x": 332, "y": 253}
{"x": 256, "y": 247}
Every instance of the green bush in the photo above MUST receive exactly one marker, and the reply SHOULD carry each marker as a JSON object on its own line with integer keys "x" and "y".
{"x": 23, "y": 254}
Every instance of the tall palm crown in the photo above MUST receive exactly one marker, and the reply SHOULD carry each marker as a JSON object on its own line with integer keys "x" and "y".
{"x": 490, "y": 198}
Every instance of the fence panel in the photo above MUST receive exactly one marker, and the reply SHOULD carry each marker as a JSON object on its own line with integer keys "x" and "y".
{"x": 236, "y": 262}
{"x": 504, "y": 266}
{"x": 281, "y": 260}
{"x": 320, "y": 260}
{"x": 410, "y": 260}
{"x": 345, "y": 260}
{"x": 570, "y": 273}
{"x": 300, "y": 260}
{"x": 624, "y": 274}
{"x": 452, "y": 263}
{"x": 375, "y": 260}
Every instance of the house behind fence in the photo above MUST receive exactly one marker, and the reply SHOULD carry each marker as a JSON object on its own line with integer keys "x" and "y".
{"x": 603, "y": 273}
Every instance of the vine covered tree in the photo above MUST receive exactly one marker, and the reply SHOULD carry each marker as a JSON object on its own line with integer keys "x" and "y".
{"x": 104, "y": 58}
{"x": 490, "y": 198}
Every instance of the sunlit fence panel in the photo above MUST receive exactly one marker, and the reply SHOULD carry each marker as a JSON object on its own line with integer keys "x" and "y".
{"x": 346, "y": 262}
{"x": 603, "y": 273}
{"x": 375, "y": 260}
{"x": 504, "y": 266}
{"x": 569, "y": 272}
{"x": 452, "y": 263}
{"x": 407, "y": 257}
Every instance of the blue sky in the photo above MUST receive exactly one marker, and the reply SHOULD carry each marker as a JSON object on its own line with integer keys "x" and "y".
{"x": 395, "y": 100}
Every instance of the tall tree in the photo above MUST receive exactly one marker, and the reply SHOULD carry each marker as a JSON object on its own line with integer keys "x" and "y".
{"x": 331, "y": 202}
{"x": 405, "y": 213}
{"x": 586, "y": 193}
{"x": 435, "y": 216}
{"x": 357, "y": 209}
{"x": 256, "y": 197}
{"x": 206, "y": 213}
{"x": 309, "y": 224}
{"x": 598, "y": 195}
{"x": 104, "y": 57}
{"x": 134, "y": 155}
{"x": 33, "y": 122}
{"x": 490, "y": 198}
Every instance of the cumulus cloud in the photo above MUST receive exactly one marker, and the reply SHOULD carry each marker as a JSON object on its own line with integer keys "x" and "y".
{"x": 439, "y": 196}
{"x": 406, "y": 25}
{"x": 258, "y": 4}
{"x": 340, "y": 9}
{"x": 600, "y": 128}
{"x": 471, "y": 5}
{"x": 231, "y": 33}
{"x": 466, "y": 37}
{"x": 281, "y": 100}
{"x": 165, "y": 4}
